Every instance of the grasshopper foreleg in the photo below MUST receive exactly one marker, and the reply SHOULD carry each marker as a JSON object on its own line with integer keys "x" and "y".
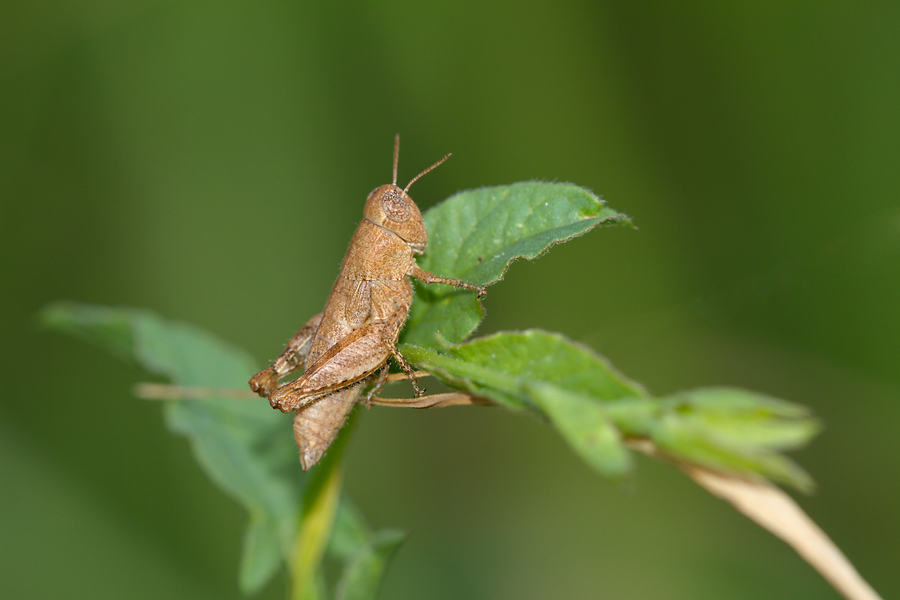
{"x": 426, "y": 277}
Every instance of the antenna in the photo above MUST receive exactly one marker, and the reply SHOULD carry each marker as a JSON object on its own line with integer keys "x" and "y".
{"x": 416, "y": 178}
{"x": 396, "y": 155}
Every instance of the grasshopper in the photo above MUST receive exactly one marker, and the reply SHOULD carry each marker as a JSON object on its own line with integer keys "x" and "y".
{"x": 348, "y": 345}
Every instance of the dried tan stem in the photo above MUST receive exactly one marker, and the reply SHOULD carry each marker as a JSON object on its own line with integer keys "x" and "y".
{"x": 433, "y": 401}
{"x": 402, "y": 376}
{"x": 165, "y": 391}
{"x": 777, "y": 512}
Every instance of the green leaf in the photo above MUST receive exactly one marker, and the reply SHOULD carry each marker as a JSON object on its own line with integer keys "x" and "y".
{"x": 364, "y": 554}
{"x": 244, "y": 446}
{"x": 723, "y": 428}
{"x": 363, "y": 573}
{"x": 548, "y": 374}
{"x": 261, "y": 553}
{"x": 593, "y": 406}
{"x": 474, "y": 235}
{"x": 108, "y": 328}
{"x": 586, "y": 425}
{"x": 349, "y": 531}
{"x": 686, "y": 440}
{"x": 746, "y": 418}
{"x": 501, "y": 366}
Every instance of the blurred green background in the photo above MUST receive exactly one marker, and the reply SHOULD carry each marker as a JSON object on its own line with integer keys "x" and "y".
{"x": 210, "y": 161}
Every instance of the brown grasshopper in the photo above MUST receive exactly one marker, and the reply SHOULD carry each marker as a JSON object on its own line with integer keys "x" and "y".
{"x": 341, "y": 349}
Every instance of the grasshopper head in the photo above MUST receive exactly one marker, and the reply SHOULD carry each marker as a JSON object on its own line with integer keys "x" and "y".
{"x": 391, "y": 207}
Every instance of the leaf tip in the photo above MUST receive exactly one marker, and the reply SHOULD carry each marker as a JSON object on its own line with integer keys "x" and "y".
{"x": 54, "y": 315}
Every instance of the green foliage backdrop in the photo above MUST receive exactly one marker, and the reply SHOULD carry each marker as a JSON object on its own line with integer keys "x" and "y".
{"x": 210, "y": 162}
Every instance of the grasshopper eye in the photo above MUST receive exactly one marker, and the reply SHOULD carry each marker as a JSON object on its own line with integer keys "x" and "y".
{"x": 395, "y": 207}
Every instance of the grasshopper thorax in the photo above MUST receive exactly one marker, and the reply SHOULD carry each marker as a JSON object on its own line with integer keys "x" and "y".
{"x": 391, "y": 208}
